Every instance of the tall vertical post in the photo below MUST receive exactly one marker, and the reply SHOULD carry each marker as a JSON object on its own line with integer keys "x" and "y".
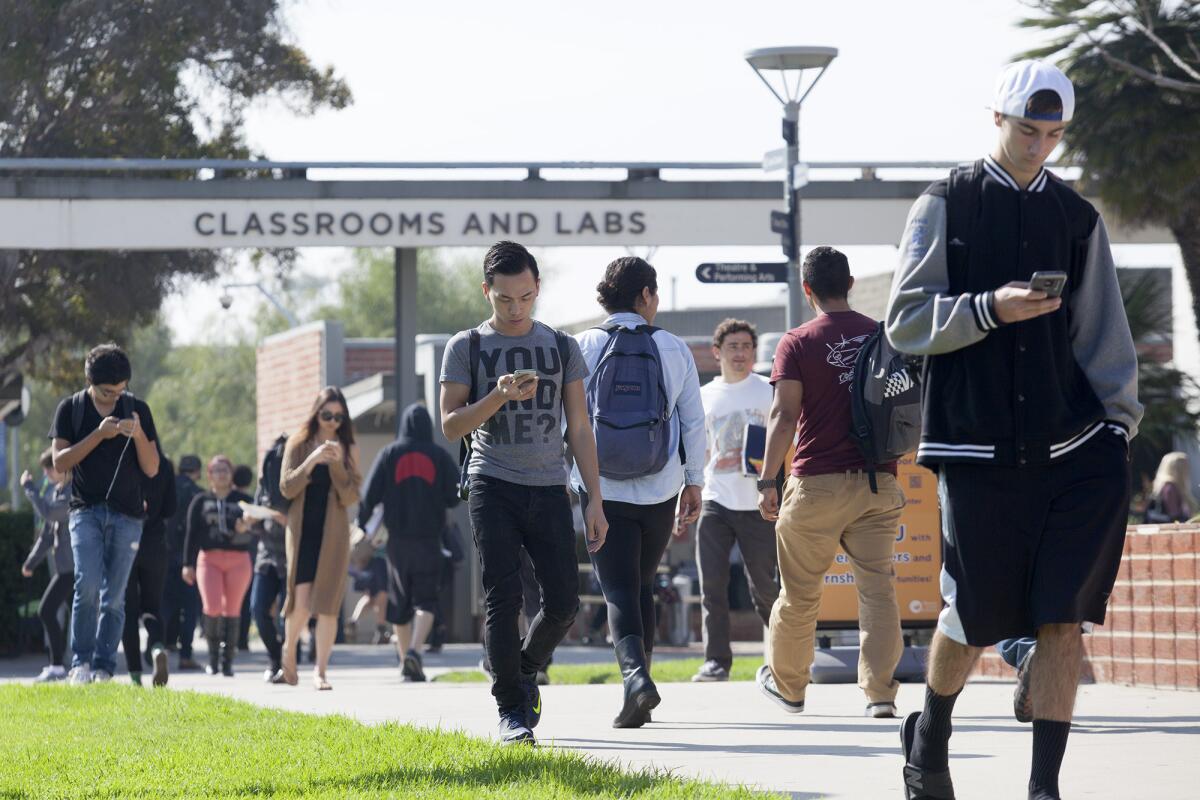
{"x": 405, "y": 307}
{"x": 791, "y": 135}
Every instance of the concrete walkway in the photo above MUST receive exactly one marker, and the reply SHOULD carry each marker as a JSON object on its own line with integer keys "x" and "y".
{"x": 1127, "y": 743}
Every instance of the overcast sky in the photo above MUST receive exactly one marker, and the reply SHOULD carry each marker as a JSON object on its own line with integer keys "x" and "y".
{"x": 635, "y": 81}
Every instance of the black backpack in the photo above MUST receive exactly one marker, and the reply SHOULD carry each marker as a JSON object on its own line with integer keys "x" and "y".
{"x": 885, "y": 402}
{"x": 269, "y": 475}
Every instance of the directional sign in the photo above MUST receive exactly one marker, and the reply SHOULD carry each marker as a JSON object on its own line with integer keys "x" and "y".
{"x": 781, "y": 222}
{"x": 799, "y": 176}
{"x": 761, "y": 272}
{"x": 775, "y": 160}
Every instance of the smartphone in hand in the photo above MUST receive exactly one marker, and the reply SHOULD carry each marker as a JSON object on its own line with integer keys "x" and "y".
{"x": 1052, "y": 282}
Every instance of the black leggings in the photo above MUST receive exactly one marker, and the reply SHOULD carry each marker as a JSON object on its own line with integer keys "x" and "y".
{"x": 59, "y": 592}
{"x": 627, "y": 563}
{"x": 144, "y": 599}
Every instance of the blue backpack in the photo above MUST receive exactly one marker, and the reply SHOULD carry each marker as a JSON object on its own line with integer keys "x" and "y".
{"x": 627, "y": 403}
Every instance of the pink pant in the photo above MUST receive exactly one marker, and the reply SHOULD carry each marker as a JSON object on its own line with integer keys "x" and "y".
{"x": 223, "y": 577}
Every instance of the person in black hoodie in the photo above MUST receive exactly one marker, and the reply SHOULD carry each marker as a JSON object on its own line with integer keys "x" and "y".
{"x": 181, "y": 602}
{"x": 144, "y": 591}
{"x": 416, "y": 480}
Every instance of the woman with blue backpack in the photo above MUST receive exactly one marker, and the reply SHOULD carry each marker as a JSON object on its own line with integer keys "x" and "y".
{"x": 643, "y": 398}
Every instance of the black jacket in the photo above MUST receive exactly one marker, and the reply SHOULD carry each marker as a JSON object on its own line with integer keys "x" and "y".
{"x": 414, "y": 478}
{"x": 1025, "y": 393}
{"x": 185, "y": 491}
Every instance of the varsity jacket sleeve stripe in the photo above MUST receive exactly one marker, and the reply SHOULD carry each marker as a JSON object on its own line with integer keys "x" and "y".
{"x": 1100, "y": 337}
{"x": 922, "y": 317}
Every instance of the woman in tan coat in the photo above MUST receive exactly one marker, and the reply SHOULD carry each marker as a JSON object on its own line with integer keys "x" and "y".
{"x": 320, "y": 476}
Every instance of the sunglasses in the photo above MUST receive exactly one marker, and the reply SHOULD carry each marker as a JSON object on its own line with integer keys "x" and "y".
{"x": 329, "y": 416}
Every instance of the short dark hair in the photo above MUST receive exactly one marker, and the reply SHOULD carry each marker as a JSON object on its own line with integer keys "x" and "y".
{"x": 623, "y": 282}
{"x": 827, "y": 272}
{"x": 243, "y": 476}
{"x": 107, "y": 364}
{"x": 508, "y": 258}
{"x": 47, "y": 459}
{"x": 1044, "y": 104}
{"x": 730, "y": 325}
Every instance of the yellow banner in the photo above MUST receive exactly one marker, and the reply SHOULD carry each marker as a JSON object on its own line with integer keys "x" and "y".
{"x": 918, "y": 558}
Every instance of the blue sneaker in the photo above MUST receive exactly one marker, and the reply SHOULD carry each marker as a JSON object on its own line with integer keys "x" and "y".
{"x": 513, "y": 728}
{"x": 533, "y": 701}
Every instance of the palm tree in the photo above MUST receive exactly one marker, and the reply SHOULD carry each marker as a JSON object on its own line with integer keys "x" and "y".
{"x": 1166, "y": 392}
{"x": 1136, "y": 131}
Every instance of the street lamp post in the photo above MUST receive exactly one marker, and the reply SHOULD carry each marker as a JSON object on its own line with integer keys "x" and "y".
{"x": 785, "y": 61}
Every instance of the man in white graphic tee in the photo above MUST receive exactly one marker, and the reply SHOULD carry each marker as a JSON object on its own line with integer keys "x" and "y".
{"x": 736, "y": 402}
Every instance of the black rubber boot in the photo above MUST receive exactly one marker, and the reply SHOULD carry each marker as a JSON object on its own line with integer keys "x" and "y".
{"x": 229, "y": 643}
{"x": 641, "y": 695}
{"x": 212, "y": 635}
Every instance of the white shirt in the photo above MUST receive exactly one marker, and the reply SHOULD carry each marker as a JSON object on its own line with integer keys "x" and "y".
{"x": 682, "y": 385}
{"x": 728, "y": 408}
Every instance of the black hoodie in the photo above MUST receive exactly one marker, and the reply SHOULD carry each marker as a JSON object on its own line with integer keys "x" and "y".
{"x": 415, "y": 479}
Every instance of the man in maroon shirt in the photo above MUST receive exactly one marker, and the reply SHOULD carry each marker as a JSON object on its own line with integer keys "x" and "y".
{"x": 827, "y": 500}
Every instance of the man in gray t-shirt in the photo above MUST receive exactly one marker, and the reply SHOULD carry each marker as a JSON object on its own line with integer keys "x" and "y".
{"x": 523, "y": 442}
{"x": 517, "y": 478}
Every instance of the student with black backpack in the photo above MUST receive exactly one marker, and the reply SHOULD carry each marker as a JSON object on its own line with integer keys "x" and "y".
{"x": 833, "y": 496}
{"x": 508, "y": 384}
{"x": 644, "y": 400}
{"x": 105, "y": 438}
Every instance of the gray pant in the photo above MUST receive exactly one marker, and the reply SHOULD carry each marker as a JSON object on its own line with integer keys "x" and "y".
{"x": 716, "y": 534}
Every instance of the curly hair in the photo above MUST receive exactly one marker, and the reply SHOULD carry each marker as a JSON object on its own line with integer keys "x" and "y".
{"x": 730, "y": 325}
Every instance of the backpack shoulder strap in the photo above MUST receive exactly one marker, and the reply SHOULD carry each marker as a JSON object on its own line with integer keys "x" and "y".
{"x": 473, "y": 361}
{"x": 77, "y": 408}
{"x": 564, "y": 352}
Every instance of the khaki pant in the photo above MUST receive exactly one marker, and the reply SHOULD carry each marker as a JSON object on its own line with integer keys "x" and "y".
{"x": 817, "y": 514}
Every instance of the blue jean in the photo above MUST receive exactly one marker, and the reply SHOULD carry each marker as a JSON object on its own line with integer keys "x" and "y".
{"x": 268, "y": 587}
{"x": 104, "y": 542}
{"x": 1014, "y": 650}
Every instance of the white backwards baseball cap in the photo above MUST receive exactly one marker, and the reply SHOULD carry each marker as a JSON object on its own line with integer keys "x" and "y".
{"x": 1022, "y": 80}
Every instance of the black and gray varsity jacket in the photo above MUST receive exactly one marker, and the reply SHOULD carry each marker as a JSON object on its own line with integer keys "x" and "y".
{"x": 1031, "y": 392}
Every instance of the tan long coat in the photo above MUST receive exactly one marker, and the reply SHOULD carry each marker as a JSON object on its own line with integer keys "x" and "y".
{"x": 333, "y": 561}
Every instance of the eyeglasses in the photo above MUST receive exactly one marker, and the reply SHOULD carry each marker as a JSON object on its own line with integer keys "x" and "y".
{"x": 329, "y": 416}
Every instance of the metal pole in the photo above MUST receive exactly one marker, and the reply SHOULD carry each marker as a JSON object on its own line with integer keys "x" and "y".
{"x": 405, "y": 300}
{"x": 14, "y": 470}
{"x": 791, "y": 135}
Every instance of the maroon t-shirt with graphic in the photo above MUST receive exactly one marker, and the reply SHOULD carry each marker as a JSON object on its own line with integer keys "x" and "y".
{"x": 820, "y": 354}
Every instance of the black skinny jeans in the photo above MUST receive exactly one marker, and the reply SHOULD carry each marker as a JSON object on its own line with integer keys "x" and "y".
{"x": 628, "y": 562}
{"x": 144, "y": 599}
{"x": 268, "y": 587}
{"x": 59, "y": 593}
{"x": 504, "y": 518}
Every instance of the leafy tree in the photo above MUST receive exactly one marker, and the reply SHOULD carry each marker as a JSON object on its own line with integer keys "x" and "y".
{"x": 449, "y": 298}
{"x": 1136, "y": 69}
{"x": 1164, "y": 391}
{"x": 125, "y": 78}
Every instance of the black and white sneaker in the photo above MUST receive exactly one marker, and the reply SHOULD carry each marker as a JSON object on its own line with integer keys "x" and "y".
{"x": 159, "y": 658}
{"x": 513, "y": 728}
{"x": 884, "y": 710}
{"x": 413, "y": 669}
{"x": 710, "y": 672}
{"x": 533, "y": 701}
{"x": 1022, "y": 695}
{"x": 766, "y": 685}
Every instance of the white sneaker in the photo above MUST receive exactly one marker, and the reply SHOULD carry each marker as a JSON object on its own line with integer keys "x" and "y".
{"x": 51, "y": 673}
{"x": 80, "y": 676}
{"x": 101, "y": 676}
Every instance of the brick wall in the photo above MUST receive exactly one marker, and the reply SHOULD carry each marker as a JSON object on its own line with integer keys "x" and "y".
{"x": 367, "y": 357}
{"x": 290, "y": 372}
{"x": 1150, "y": 635}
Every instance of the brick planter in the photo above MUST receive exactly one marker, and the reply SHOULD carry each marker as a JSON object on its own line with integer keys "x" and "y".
{"x": 1150, "y": 635}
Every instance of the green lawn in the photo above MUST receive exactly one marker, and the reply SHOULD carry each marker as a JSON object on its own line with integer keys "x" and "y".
{"x": 664, "y": 670}
{"x": 120, "y": 742}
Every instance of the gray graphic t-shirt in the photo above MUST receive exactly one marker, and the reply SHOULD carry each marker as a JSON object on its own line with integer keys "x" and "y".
{"x": 523, "y": 442}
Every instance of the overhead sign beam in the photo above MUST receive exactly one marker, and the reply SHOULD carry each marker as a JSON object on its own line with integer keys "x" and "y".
{"x": 66, "y": 213}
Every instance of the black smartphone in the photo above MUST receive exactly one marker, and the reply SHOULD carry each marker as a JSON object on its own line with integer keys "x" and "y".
{"x": 1050, "y": 282}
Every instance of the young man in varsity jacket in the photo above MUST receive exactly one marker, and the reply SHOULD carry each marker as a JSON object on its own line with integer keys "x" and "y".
{"x": 1029, "y": 403}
